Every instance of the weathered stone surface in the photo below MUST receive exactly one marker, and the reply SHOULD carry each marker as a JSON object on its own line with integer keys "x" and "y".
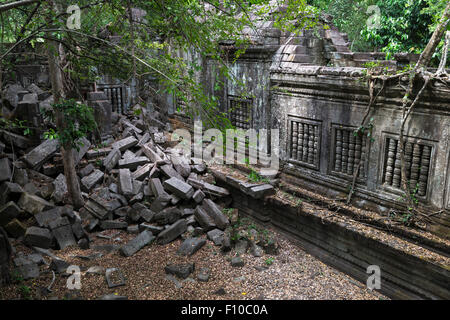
{"x": 172, "y": 232}
{"x": 91, "y": 154}
{"x": 203, "y": 219}
{"x": 96, "y": 209}
{"x": 151, "y": 153}
{"x": 88, "y": 182}
{"x": 157, "y": 187}
{"x": 181, "y": 165}
{"x": 112, "y": 159}
{"x": 133, "y": 246}
{"x": 179, "y": 188}
{"x": 113, "y": 224}
{"x": 167, "y": 216}
{"x": 86, "y": 170}
{"x": 125, "y": 182}
{"x": 190, "y": 246}
{"x": 28, "y": 270}
{"x": 160, "y": 203}
{"x": 142, "y": 172}
{"x": 125, "y": 144}
{"x": 132, "y": 164}
{"x": 84, "y": 146}
{"x": 216, "y": 236}
{"x": 42, "y": 153}
{"x": 180, "y": 270}
{"x": 62, "y": 231}
{"x": 143, "y": 212}
{"x": 196, "y": 183}
{"x": 198, "y": 196}
{"x": 5, "y": 169}
{"x": 134, "y": 229}
{"x": 220, "y": 219}
{"x": 199, "y": 168}
{"x": 170, "y": 172}
{"x": 10, "y": 191}
{"x": 38, "y": 237}
{"x": 8, "y": 212}
{"x": 15, "y": 228}
{"x": 33, "y": 204}
{"x": 59, "y": 265}
{"x": 60, "y": 186}
{"x": 20, "y": 177}
{"x": 17, "y": 140}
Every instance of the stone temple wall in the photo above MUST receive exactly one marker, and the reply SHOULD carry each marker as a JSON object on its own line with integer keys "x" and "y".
{"x": 311, "y": 87}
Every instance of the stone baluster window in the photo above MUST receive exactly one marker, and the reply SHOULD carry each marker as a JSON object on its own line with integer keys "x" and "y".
{"x": 240, "y": 112}
{"x": 304, "y": 144}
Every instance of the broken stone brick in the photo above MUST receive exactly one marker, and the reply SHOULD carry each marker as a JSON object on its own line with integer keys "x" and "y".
{"x": 179, "y": 188}
{"x": 112, "y": 159}
{"x": 170, "y": 172}
{"x": 8, "y": 212}
{"x": 125, "y": 144}
{"x": 113, "y": 224}
{"x": 45, "y": 217}
{"x": 180, "y": 270}
{"x": 62, "y": 231}
{"x": 219, "y": 218}
{"x": 261, "y": 191}
{"x": 152, "y": 228}
{"x": 133, "y": 246}
{"x": 198, "y": 196}
{"x": 88, "y": 182}
{"x": 160, "y": 203}
{"x": 5, "y": 169}
{"x": 86, "y": 170}
{"x": 38, "y": 237}
{"x": 15, "y": 228}
{"x": 215, "y": 191}
{"x": 150, "y": 153}
{"x": 42, "y": 153}
{"x": 157, "y": 187}
{"x": 125, "y": 182}
{"x": 172, "y": 232}
{"x": 132, "y": 164}
{"x": 142, "y": 172}
{"x": 33, "y": 204}
{"x": 10, "y": 191}
{"x": 60, "y": 186}
{"x": 190, "y": 246}
{"x": 216, "y": 236}
{"x": 203, "y": 219}
{"x": 167, "y": 216}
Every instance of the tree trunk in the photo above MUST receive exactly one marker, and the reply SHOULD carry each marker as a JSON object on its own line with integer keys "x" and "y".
{"x": 73, "y": 186}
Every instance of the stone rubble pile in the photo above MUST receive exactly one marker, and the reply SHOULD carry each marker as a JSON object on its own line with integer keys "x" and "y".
{"x": 135, "y": 182}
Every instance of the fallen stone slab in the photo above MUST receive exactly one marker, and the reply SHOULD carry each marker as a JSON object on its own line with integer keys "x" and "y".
{"x": 125, "y": 144}
{"x": 172, "y": 232}
{"x": 59, "y": 265}
{"x": 114, "y": 277}
{"x": 133, "y": 163}
{"x": 9, "y": 212}
{"x": 36, "y": 158}
{"x": 113, "y": 224}
{"x": 95, "y": 153}
{"x": 180, "y": 270}
{"x": 190, "y": 246}
{"x": 28, "y": 271}
{"x": 196, "y": 183}
{"x": 133, "y": 246}
{"x": 198, "y": 196}
{"x": 10, "y": 191}
{"x": 151, "y": 153}
{"x": 84, "y": 145}
{"x": 167, "y": 216}
{"x": 20, "y": 176}
{"x": 160, "y": 203}
{"x": 215, "y": 191}
{"x": 15, "y": 228}
{"x": 203, "y": 219}
{"x": 182, "y": 166}
{"x": 86, "y": 170}
{"x": 125, "y": 182}
{"x": 179, "y": 188}
{"x": 112, "y": 159}
{"x": 199, "y": 168}
{"x": 5, "y": 169}
{"x": 33, "y": 204}
{"x": 62, "y": 231}
{"x": 88, "y": 182}
{"x": 96, "y": 209}
{"x": 170, "y": 172}
{"x": 157, "y": 187}
{"x": 143, "y": 212}
{"x": 220, "y": 219}
{"x": 17, "y": 140}
{"x": 216, "y": 236}
{"x": 60, "y": 186}
{"x": 38, "y": 237}
{"x": 142, "y": 172}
